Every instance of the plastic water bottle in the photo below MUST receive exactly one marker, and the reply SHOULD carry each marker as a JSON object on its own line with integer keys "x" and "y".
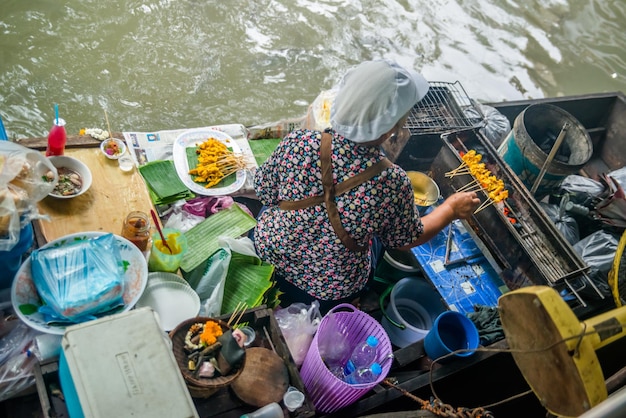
{"x": 365, "y": 374}
{"x": 362, "y": 356}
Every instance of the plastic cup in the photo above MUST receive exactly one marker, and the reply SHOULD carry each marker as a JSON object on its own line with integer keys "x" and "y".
{"x": 160, "y": 258}
{"x": 126, "y": 163}
{"x": 250, "y": 334}
{"x": 293, "y": 399}
{"x": 451, "y": 331}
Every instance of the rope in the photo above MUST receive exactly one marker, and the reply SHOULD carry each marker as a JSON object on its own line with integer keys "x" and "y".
{"x": 441, "y": 409}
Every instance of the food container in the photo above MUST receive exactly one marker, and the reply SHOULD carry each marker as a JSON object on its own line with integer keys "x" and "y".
{"x": 68, "y": 166}
{"x": 136, "y": 229}
{"x": 113, "y": 148}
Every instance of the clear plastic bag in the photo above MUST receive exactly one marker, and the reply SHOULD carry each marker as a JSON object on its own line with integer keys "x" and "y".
{"x": 16, "y": 365}
{"x": 79, "y": 281}
{"x": 298, "y": 323}
{"x": 22, "y": 184}
{"x": 210, "y": 285}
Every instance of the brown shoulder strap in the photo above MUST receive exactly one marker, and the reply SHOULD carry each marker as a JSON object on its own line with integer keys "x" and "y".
{"x": 329, "y": 195}
{"x": 331, "y": 190}
{"x": 340, "y": 188}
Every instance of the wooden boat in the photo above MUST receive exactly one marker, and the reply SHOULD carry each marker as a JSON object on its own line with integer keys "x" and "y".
{"x": 490, "y": 378}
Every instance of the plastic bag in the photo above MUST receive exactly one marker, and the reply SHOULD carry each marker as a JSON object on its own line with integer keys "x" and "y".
{"x": 564, "y": 223}
{"x": 496, "y": 125}
{"x": 580, "y": 190}
{"x": 298, "y": 323}
{"x": 209, "y": 285}
{"x": 598, "y": 251}
{"x": 180, "y": 219}
{"x": 22, "y": 185}
{"x": 79, "y": 281}
{"x": 318, "y": 115}
{"x": 16, "y": 365}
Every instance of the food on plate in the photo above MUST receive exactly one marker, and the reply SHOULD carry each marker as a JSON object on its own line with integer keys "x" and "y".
{"x": 112, "y": 148}
{"x": 70, "y": 182}
{"x": 215, "y": 162}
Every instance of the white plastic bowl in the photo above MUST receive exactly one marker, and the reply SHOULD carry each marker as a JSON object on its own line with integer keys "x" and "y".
{"x": 120, "y": 145}
{"x": 60, "y": 161}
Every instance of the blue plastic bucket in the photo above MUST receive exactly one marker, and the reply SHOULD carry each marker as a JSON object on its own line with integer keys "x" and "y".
{"x": 541, "y": 124}
{"x": 10, "y": 261}
{"x": 451, "y": 331}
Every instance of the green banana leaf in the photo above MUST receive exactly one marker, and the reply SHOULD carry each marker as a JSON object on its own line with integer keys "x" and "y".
{"x": 202, "y": 239}
{"x": 247, "y": 282}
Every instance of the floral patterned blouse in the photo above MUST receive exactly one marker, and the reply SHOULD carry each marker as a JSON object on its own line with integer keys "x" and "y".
{"x": 302, "y": 244}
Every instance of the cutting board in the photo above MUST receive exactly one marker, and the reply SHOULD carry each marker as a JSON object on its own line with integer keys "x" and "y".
{"x": 113, "y": 194}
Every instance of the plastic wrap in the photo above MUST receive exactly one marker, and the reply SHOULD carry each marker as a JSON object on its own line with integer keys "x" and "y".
{"x": 23, "y": 183}
{"x": 79, "y": 281}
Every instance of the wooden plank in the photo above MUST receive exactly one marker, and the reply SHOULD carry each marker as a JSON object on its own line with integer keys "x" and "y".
{"x": 113, "y": 194}
{"x": 73, "y": 141}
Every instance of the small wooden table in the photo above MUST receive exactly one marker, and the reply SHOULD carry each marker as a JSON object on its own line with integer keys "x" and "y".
{"x": 113, "y": 194}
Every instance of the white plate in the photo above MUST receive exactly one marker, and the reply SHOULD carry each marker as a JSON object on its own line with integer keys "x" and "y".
{"x": 161, "y": 276}
{"x": 173, "y": 302}
{"x": 26, "y": 300}
{"x": 193, "y": 138}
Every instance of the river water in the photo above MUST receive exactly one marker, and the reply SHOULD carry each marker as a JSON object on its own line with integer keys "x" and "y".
{"x": 173, "y": 64}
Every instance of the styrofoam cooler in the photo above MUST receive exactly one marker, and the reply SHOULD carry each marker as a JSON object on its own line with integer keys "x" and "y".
{"x": 327, "y": 392}
{"x": 122, "y": 365}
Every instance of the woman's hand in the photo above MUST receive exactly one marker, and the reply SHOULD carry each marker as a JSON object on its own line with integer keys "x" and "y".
{"x": 462, "y": 204}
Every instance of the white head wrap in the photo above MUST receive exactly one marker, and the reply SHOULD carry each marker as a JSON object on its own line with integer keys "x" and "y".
{"x": 372, "y": 97}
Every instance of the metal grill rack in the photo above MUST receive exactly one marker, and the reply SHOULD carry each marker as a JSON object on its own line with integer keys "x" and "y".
{"x": 445, "y": 108}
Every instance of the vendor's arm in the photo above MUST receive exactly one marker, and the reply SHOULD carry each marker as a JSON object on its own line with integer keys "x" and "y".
{"x": 458, "y": 206}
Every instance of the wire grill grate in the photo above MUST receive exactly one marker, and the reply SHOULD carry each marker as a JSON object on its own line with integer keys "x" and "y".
{"x": 443, "y": 109}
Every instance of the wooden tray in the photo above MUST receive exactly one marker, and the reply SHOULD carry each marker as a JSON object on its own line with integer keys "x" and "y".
{"x": 113, "y": 194}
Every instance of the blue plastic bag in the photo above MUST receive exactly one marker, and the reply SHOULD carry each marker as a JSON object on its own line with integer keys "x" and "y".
{"x": 79, "y": 281}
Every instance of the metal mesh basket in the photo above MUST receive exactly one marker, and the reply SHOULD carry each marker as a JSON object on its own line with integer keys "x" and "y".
{"x": 445, "y": 108}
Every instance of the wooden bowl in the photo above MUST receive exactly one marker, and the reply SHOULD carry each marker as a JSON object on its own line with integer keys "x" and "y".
{"x": 199, "y": 387}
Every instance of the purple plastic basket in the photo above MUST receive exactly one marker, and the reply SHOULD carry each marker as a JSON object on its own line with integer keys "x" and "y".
{"x": 327, "y": 392}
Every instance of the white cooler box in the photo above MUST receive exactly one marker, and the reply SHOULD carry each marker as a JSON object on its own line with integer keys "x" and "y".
{"x": 122, "y": 366}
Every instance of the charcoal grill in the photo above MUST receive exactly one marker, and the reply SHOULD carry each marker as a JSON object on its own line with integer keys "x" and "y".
{"x": 445, "y": 108}
{"x": 523, "y": 241}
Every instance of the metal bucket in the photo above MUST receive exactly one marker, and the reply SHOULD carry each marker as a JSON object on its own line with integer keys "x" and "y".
{"x": 541, "y": 124}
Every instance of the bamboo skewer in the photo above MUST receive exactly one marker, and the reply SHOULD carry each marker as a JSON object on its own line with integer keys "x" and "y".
{"x": 238, "y": 312}
{"x": 106, "y": 117}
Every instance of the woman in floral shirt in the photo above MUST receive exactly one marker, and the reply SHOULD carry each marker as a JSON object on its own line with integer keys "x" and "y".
{"x": 310, "y": 258}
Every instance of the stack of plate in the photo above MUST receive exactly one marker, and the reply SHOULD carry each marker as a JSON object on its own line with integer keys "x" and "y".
{"x": 171, "y": 297}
